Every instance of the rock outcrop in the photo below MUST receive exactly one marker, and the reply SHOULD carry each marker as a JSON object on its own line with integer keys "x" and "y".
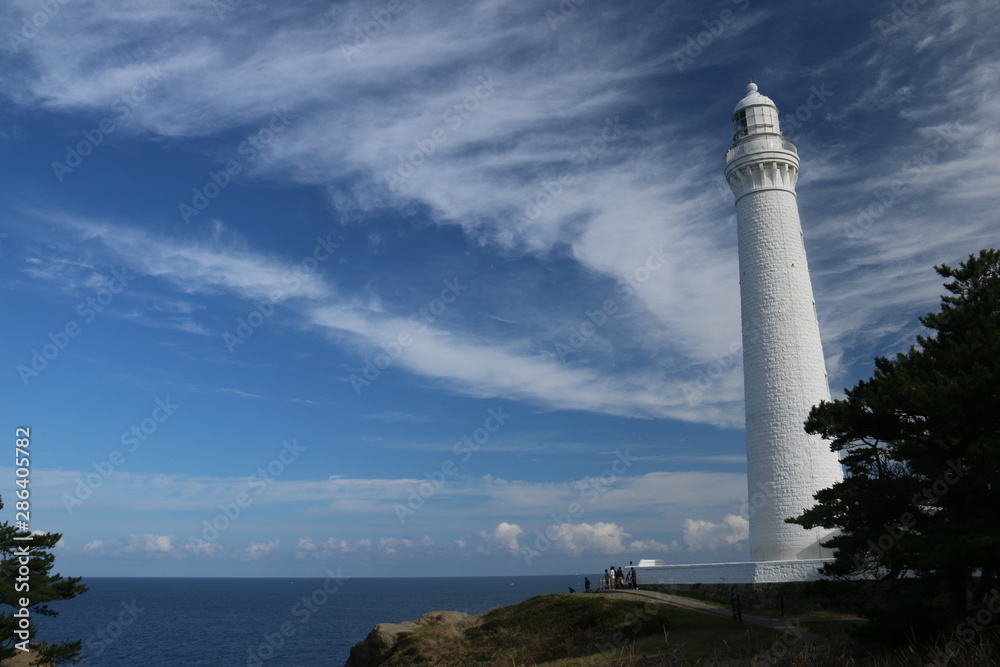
{"x": 376, "y": 648}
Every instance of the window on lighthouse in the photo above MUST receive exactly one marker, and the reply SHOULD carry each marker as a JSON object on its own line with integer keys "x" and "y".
{"x": 765, "y": 118}
{"x": 740, "y": 123}
{"x": 759, "y": 119}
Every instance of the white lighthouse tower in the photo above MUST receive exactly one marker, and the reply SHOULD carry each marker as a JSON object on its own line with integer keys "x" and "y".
{"x": 784, "y": 374}
{"x": 783, "y": 368}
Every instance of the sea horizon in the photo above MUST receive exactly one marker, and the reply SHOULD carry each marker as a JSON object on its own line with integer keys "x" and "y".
{"x": 254, "y": 621}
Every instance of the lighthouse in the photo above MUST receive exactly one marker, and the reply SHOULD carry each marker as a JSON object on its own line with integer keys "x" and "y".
{"x": 784, "y": 373}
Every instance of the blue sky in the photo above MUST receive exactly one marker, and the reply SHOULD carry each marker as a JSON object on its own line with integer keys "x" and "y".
{"x": 398, "y": 286}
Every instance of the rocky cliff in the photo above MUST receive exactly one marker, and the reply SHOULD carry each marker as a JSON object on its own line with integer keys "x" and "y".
{"x": 376, "y": 648}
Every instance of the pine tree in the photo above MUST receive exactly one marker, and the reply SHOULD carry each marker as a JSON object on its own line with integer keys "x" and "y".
{"x": 26, "y": 575}
{"x": 920, "y": 442}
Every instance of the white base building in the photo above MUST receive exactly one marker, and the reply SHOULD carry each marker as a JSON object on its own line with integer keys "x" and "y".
{"x": 764, "y": 572}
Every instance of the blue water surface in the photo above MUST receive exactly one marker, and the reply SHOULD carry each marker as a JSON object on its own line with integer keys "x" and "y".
{"x": 275, "y": 622}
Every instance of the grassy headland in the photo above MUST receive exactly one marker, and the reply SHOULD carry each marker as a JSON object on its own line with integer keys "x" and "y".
{"x": 591, "y": 630}
{"x": 580, "y": 629}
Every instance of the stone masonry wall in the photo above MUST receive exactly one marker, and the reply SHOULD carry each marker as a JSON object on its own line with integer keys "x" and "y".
{"x": 784, "y": 376}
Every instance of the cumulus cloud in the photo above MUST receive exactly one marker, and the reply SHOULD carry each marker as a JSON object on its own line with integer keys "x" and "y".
{"x": 652, "y": 546}
{"x": 586, "y": 539}
{"x": 147, "y": 543}
{"x": 201, "y": 548}
{"x": 258, "y": 550}
{"x": 700, "y": 535}
{"x": 97, "y": 546}
{"x": 392, "y": 546}
{"x": 307, "y": 548}
{"x": 503, "y": 537}
{"x": 598, "y": 538}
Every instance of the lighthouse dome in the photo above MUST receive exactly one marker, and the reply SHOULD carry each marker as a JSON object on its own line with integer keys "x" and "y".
{"x": 754, "y": 114}
{"x": 753, "y": 98}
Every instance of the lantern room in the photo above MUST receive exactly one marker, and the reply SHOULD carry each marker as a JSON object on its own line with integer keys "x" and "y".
{"x": 754, "y": 114}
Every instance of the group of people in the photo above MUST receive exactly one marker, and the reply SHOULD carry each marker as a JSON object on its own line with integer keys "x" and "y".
{"x": 616, "y": 578}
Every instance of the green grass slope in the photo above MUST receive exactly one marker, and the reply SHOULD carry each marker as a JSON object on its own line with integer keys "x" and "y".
{"x": 579, "y": 630}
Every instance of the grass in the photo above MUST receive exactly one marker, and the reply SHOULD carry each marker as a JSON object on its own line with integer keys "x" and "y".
{"x": 598, "y": 631}
{"x": 579, "y": 630}
{"x": 834, "y": 630}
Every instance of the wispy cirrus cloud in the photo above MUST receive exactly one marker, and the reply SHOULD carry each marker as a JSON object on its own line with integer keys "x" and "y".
{"x": 491, "y": 156}
{"x": 568, "y": 175}
{"x": 220, "y": 263}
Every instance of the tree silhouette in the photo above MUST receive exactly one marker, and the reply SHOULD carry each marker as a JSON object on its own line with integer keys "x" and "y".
{"x": 26, "y": 576}
{"x": 920, "y": 442}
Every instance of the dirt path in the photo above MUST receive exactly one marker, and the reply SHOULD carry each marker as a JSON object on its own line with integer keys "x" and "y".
{"x": 789, "y": 626}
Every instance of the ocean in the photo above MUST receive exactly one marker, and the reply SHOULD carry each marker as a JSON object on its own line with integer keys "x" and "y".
{"x": 252, "y": 622}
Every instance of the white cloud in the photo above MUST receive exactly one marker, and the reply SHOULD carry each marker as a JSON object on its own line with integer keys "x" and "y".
{"x": 701, "y": 535}
{"x": 652, "y": 546}
{"x": 640, "y": 188}
{"x": 624, "y": 211}
{"x": 146, "y": 544}
{"x": 306, "y": 548}
{"x": 655, "y": 502}
{"x": 203, "y": 548}
{"x": 503, "y": 537}
{"x": 591, "y": 539}
{"x": 258, "y": 550}
{"x": 391, "y": 546}
{"x": 461, "y": 358}
{"x": 601, "y": 538}
{"x": 96, "y": 546}
{"x": 218, "y": 262}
